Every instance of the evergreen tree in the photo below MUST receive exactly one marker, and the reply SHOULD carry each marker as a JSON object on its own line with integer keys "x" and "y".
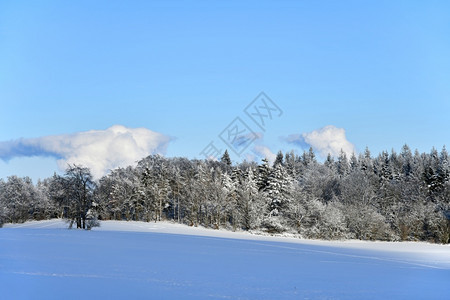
{"x": 278, "y": 159}
{"x": 354, "y": 164}
{"x": 342, "y": 165}
{"x": 396, "y": 165}
{"x": 309, "y": 157}
{"x": 225, "y": 159}
{"x": 289, "y": 162}
{"x": 431, "y": 172}
{"x": 366, "y": 162}
{"x": 383, "y": 168}
{"x": 277, "y": 190}
{"x": 263, "y": 174}
{"x": 444, "y": 167}
{"x": 329, "y": 162}
{"x": 406, "y": 160}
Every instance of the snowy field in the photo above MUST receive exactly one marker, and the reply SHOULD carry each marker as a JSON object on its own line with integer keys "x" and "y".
{"x": 136, "y": 260}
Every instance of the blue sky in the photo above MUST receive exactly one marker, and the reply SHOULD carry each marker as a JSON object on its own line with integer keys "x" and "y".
{"x": 377, "y": 69}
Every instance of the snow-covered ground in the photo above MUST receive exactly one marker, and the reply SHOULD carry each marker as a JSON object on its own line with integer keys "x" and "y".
{"x": 137, "y": 260}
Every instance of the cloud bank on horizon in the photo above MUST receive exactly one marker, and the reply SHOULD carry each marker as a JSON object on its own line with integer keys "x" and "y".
{"x": 326, "y": 140}
{"x": 99, "y": 150}
{"x": 119, "y": 146}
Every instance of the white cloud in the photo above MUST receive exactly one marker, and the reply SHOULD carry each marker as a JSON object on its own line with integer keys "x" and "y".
{"x": 263, "y": 151}
{"x": 99, "y": 150}
{"x": 328, "y": 139}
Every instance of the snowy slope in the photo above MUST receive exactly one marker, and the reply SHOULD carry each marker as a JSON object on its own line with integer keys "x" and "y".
{"x": 136, "y": 260}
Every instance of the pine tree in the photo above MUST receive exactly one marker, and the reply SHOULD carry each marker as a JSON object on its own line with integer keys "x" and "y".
{"x": 277, "y": 196}
{"x": 383, "y": 168}
{"x": 354, "y": 163}
{"x": 225, "y": 159}
{"x": 263, "y": 174}
{"x": 407, "y": 161}
{"x": 290, "y": 163}
{"x": 278, "y": 159}
{"x": 342, "y": 165}
{"x": 431, "y": 172}
{"x": 444, "y": 167}
{"x": 277, "y": 190}
{"x": 366, "y": 162}
{"x": 329, "y": 162}
{"x": 309, "y": 157}
{"x": 396, "y": 165}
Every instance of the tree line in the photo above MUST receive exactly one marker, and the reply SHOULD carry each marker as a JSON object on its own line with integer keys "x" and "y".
{"x": 393, "y": 196}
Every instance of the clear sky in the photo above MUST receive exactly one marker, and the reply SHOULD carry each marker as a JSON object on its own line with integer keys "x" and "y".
{"x": 377, "y": 73}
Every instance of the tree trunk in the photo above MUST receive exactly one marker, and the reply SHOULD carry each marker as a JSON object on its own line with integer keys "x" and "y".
{"x": 160, "y": 208}
{"x": 178, "y": 210}
{"x": 174, "y": 208}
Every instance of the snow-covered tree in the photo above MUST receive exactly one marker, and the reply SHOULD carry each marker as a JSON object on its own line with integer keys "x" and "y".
{"x": 18, "y": 197}
{"x": 250, "y": 207}
{"x": 263, "y": 174}
{"x": 342, "y": 165}
{"x": 393, "y": 196}
{"x": 74, "y": 192}
{"x": 226, "y": 160}
{"x": 278, "y": 159}
{"x": 277, "y": 194}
